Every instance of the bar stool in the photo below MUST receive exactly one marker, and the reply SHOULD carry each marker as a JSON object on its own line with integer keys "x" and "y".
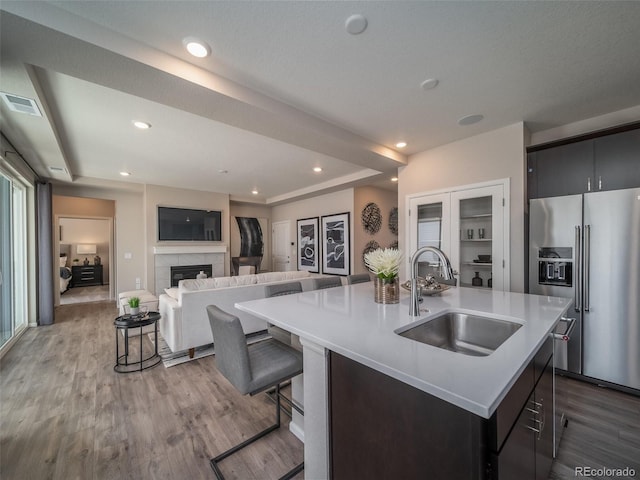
{"x": 252, "y": 369}
{"x": 326, "y": 282}
{"x": 358, "y": 278}
{"x": 277, "y": 290}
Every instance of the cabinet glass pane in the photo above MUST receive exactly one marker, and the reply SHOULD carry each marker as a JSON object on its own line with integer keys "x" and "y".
{"x": 476, "y": 235}
{"x": 429, "y": 234}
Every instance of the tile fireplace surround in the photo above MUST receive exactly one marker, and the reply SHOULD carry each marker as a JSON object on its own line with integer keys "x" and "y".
{"x": 166, "y": 257}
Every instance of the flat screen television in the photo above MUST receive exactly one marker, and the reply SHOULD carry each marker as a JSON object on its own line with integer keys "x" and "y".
{"x": 188, "y": 224}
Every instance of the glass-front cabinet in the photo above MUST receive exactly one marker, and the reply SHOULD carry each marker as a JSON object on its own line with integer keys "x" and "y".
{"x": 470, "y": 225}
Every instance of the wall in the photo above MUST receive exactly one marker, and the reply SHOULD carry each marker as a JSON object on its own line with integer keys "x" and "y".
{"x": 386, "y": 200}
{"x": 337, "y": 202}
{"x": 252, "y": 211}
{"x": 489, "y": 156}
{"x": 155, "y": 195}
{"x": 127, "y": 211}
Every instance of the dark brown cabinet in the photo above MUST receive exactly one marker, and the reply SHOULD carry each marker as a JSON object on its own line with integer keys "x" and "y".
{"x": 599, "y": 162}
{"x": 383, "y": 428}
{"x": 564, "y": 170}
{"x": 86, "y": 275}
{"x": 617, "y": 161}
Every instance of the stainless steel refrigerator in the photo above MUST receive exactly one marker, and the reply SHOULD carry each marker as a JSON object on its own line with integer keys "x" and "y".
{"x": 587, "y": 247}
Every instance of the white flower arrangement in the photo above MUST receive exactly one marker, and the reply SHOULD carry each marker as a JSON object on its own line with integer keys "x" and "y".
{"x": 384, "y": 263}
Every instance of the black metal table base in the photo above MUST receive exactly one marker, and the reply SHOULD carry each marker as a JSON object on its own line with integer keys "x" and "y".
{"x": 125, "y": 323}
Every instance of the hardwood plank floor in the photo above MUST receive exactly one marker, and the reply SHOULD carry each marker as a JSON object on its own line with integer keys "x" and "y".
{"x": 65, "y": 414}
{"x": 603, "y": 432}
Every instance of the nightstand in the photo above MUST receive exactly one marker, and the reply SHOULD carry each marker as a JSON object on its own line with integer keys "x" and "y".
{"x": 86, "y": 275}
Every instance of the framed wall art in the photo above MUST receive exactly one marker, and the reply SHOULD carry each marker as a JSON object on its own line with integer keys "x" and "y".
{"x": 308, "y": 247}
{"x": 336, "y": 257}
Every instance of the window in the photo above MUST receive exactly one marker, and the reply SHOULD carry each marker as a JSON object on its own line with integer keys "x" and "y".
{"x": 13, "y": 257}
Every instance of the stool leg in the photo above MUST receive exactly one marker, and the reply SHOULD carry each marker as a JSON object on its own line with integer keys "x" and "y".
{"x": 214, "y": 461}
{"x": 140, "y": 348}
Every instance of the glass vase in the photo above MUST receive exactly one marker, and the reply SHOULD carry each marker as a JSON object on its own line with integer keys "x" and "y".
{"x": 387, "y": 290}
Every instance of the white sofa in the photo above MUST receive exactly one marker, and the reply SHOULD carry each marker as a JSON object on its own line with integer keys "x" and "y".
{"x": 184, "y": 323}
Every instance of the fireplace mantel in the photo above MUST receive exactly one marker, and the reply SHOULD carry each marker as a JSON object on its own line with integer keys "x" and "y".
{"x": 178, "y": 249}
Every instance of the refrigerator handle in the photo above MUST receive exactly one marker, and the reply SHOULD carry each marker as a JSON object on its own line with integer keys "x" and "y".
{"x": 576, "y": 290}
{"x": 587, "y": 261}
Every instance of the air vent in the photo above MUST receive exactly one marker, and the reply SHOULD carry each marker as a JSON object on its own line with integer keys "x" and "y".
{"x": 20, "y": 104}
{"x": 58, "y": 169}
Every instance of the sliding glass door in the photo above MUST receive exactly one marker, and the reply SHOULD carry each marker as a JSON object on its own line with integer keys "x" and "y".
{"x": 13, "y": 258}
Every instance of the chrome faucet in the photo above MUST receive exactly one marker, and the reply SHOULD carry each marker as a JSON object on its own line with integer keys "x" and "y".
{"x": 447, "y": 274}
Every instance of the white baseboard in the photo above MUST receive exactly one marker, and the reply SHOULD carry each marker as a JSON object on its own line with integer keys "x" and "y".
{"x": 297, "y": 430}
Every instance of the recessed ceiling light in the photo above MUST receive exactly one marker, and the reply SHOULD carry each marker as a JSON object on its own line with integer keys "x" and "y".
{"x": 254, "y": 191}
{"x": 470, "y": 119}
{"x": 401, "y": 144}
{"x": 394, "y": 179}
{"x": 317, "y": 169}
{"x": 429, "y": 83}
{"x": 223, "y": 171}
{"x": 141, "y": 125}
{"x": 125, "y": 174}
{"x": 196, "y": 47}
{"x": 356, "y": 24}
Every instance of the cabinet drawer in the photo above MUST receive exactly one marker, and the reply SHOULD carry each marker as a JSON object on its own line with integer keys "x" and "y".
{"x": 542, "y": 358}
{"x": 510, "y": 408}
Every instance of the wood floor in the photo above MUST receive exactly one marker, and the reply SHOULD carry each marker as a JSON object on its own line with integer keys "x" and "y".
{"x": 603, "y": 431}
{"x": 65, "y": 414}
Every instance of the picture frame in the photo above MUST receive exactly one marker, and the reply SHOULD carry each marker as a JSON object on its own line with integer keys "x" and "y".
{"x": 308, "y": 245}
{"x": 336, "y": 244}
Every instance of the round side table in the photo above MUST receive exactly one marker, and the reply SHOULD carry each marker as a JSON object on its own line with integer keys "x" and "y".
{"x": 125, "y": 323}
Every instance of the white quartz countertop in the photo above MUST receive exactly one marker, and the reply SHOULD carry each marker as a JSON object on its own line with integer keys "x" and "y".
{"x": 346, "y": 320}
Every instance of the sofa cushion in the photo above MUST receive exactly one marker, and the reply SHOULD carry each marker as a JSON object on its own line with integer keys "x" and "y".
{"x": 270, "y": 277}
{"x": 241, "y": 280}
{"x": 295, "y": 274}
{"x": 173, "y": 292}
{"x": 196, "y": 284}
{"x": 223, "y": 282}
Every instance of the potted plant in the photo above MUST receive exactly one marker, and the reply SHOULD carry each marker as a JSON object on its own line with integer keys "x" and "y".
{"x": 134, "y": 305}
{"x": 76, "y": 261}
{"x": 385, "y": 264}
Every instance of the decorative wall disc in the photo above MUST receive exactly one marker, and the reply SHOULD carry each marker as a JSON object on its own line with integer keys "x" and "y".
{"x": 370, "y": 247}
{"x": 394, "y": 245}
{"x": 393, "y": 220}
{"x": 371, "y": 218}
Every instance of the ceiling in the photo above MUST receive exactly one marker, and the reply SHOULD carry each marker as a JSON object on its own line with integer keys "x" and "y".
{"x": 287, "y": 87}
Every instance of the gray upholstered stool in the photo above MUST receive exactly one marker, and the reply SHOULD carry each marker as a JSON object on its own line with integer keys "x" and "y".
{"x": 277, "y": 290}
{"x": 358, "y": 278}
{"x": 326, "y": 282}
{"x": 252, "y": 369}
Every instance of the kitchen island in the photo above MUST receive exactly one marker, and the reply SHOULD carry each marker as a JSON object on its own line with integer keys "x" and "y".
{"x": 345, "y": 321}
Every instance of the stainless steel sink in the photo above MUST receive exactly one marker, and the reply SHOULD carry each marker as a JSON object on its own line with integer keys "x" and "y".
{"x": 462, "y": 333}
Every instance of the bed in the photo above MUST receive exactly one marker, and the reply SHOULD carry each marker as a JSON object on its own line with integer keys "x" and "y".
{"x": 65, "y": 273}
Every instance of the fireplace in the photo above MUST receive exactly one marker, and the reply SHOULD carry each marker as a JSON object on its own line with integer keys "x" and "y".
{"x": 182, "y": 272}
{"x": 167, "y": 256}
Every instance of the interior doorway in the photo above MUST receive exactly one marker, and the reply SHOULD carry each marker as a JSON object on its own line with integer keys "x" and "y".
{"x": 85, "y": 246}
{"x": 281, "y": 242}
